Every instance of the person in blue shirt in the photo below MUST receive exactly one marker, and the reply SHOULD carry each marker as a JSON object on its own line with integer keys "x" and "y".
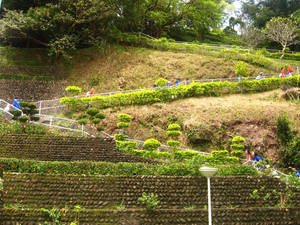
{"x": 187, "y": 82}
{"x": 121, "y": 131}
{"x": 177, "y": 82}
{"x": 255, "y": 157}
{"x": 296, "y": 172}
{"x": 169, "y": 84}
{"x": 16, "y": 103}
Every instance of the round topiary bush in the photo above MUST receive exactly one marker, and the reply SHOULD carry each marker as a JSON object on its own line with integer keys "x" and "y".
{"x": 151, "y": 144}
{"x": 174, "y": 126}
{"x": 173, "y": 144}
{"x": 161, "y": 82}
{"x": 238, "y": 139}
{"x": 82, "y": 121}
{"x": 92, "y": 111}
{"x": 123, "y": 125}
{"x": 34, "y": 118}
{"x": 173, "y": 133}
{"x": 73, "y": 89}
{"x": 100, "y": 128}
{"x": 120, "y": 137}
{"x": 96, "y": 121}
{"x": 100, "y": 116}
{"x": 23, "y": 119}
{"x": 124, "y": 118}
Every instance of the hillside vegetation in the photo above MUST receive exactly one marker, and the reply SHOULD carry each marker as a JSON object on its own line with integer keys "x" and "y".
{"x": 120, "y": 67}
{"x": 208, "y": 123}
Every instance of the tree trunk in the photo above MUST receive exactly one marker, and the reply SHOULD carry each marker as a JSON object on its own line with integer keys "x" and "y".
{"x": 283, "y": 52}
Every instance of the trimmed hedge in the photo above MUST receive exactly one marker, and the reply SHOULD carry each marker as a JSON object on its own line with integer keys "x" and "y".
{"x": 108, "y": 168}
{"x": 24, "y": 77}
{"x": 181, "y": 92}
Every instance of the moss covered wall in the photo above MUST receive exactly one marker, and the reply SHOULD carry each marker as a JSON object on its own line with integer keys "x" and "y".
{"x": 47, "y": 191}
{"x": 59, "y": 148}
{"x": 246, "y": 216}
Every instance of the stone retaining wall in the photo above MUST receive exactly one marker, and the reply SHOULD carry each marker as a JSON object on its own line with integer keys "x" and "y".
{"x": 94, "y": 192}
{"x": 247, "y": 216}
{"x": 60, "y": 148}
{"x": 31, "y": 90}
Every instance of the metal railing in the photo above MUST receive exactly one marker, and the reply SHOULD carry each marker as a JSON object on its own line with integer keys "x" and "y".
{"x": 74, "y": 126}
{"x": 5, "y": 107}
{"x": 54, "y": 106}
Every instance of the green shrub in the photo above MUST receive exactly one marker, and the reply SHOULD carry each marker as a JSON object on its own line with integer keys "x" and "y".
{"x": 241, "y": 69}
{"x": 237, "y": 147}
{"x": 82, "y": 121}
{"x": 124, "y": 118}
{"x": 96, "y": 121}
{"x": 186, "y": 91}
{"x": 120, "y": 137}
{"x": 284, "y": 131}
{"x": 173, "y": 133}
{"x": 173, "y": 144}
{"x": 108, "y": 168}
{"x": 123, "y": 125}
{"x": 151, "y": 201}
{"x": 34, "y": 118}
{"x": 161, "y": 82}
{"x": 220, "y": 154}
{"x": 174, "y": 126}
{"x": 73, "y": 89}
{"x": 126, "y": 146}
{"x": 151, "y": 144}
{"x": 238, "y": 139}
{"x": 185, "y": 155}
{"x": 92, "y": 111}
{"x": 100, "y": 116}
{"x": 238, "y": 154}
{"x": 101, "y": 128}
{"x": 290, "y": 155}
{"x": 23, "y": 119}
{"x": 15, "y": 113}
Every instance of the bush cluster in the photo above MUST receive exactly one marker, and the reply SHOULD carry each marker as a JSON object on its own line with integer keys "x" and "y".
{"x": 151, "y": 144}
{"x": 192, "y": 90}
{"x": 108, "y": 168}
{"x": 73, "y": 89}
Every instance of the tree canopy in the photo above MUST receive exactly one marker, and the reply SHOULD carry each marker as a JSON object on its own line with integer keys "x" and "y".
{"x": 260, "y": 12}
{"x": 69, "y": 24}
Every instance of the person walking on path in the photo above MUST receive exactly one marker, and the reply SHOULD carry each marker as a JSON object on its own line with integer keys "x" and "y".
{"x": 289, "y": 71}
{"x": 89, "y": 94}
{"x": 16, "y": 103}
{"x": 282, "y": 73}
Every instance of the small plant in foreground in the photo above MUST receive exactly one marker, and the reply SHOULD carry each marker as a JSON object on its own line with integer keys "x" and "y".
{"x": 151, "y": 201}
{"x": 54, "y": 214}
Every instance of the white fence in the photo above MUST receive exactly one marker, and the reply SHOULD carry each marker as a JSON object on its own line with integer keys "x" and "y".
{"x": 54, "y": 106}
{"x": 5, "y": 107}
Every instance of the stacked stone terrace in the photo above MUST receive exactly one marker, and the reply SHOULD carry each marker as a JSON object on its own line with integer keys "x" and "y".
{"x": 99, "y": 195}
{"x": 60, "y": 148}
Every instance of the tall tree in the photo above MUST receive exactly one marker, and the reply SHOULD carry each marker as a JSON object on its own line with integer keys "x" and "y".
{"x": 61, "y": 27}
{"x": 261, "y": 11}
{"x": 283, "y": 31}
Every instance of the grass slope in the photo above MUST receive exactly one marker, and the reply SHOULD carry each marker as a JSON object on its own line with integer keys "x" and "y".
{"x": 119, "y": 67}
{"x": 130, "y": 68}
{"x": 209, "y": 123}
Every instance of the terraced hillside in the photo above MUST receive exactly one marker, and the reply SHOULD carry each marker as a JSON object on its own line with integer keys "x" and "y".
{"x": 46, "y": 192}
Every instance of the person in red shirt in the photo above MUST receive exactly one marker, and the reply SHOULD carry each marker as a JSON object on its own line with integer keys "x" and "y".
{"x": 289, "y": 72}
{"x": 89, "y": 94}
{"x": 282, "y": 73}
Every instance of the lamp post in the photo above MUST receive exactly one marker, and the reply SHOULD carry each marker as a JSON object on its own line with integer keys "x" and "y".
{"x": 208, "y": 173}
